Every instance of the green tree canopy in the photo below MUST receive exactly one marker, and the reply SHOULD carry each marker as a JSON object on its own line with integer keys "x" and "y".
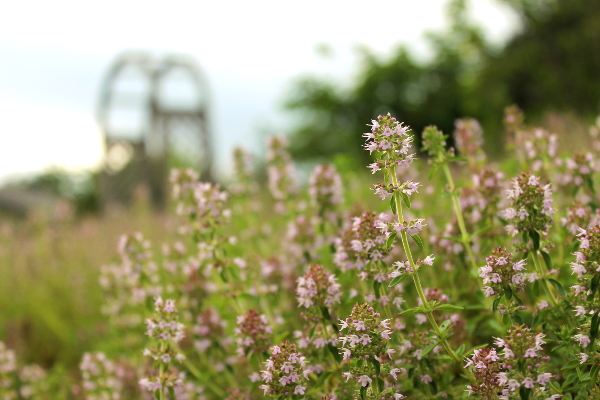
{"x": 553, "y": 63}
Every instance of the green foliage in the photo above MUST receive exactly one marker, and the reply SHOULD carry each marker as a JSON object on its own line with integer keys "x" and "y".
{"x": 552, "y": 63}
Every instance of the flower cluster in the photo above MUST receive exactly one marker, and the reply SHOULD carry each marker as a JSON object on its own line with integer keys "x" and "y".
{"x": 100, "y": 380}
{"x": 587, "y": 258}
{"x": 404, "y": 267}
{"x": 578, "y": 170}
{"x": 386, "y": 190}
{"x": 468, "y": 137}
{"x": 242, "y": 172}
{"x": 130, "y": 284}
{"x": 521, "y": 366}
{"x": 522, "y": 360}
{"x": 486, "y": 366}
{"x": 26, "y": 382}
{"x": 363, "y": 245}
{"x": 487, "y": 183}
{"x": 434, "y": 143}
{"x": 32, "y": 382}
{"x": 165, "y": 329}
{"x": 392, "y": 138}
{"x": 325, "y": 189}
{"x": 317, "y": 289}
{"x": 209, "y": 330}
{"x": 501, "y": 273}
{"x": 8, "y": 369}
{"x": 201, "y": 202}
{"x": 366, "y": 335}
{"x": 578, "y": 216}
{"x": 538, "y": 145}
{"x": 253, "y": 332}
{"x": 285, "y": 371}
{"x": 302, "y": 238}
{"x": 531, "y": 206}
{"x": 412, "y": 228}
{"x": 282, "y": 175}
{"x": 365, "y": 350}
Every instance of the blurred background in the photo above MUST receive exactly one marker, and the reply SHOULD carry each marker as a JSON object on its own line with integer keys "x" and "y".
{"x": 98, "y": 99}
{"x": 84, "y": 87}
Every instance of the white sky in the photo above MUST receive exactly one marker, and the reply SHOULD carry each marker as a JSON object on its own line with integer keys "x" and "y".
{"x": 53, "y": 55}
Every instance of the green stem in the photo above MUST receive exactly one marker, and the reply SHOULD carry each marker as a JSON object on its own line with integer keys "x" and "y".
{"x": 464, "y": 236}
{"x": 161, "y": 391}
{"x": 416, "y": 279}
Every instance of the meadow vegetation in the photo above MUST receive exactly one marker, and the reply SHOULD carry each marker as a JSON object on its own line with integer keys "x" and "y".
{"x": 439, "y": 275}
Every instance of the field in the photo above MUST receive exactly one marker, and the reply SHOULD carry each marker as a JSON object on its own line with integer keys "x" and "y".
{"x": 447, "y": 276}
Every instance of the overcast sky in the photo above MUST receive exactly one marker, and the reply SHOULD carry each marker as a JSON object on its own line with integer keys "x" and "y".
{"x": 53, "y": 55}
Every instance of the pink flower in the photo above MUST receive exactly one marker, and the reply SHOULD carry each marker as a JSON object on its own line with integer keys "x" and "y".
{"x": 394, "y": 372}
{"x": 528, "y": 383}
{"x": 364, "y": 380}
{"x": 530, "y": 353}
{"x": 582, "y": 339}
{"x": 544, "y": 378}
{"x": 347, "y": 375}
{"x": 580, "y": 310}
{"x": 426, "y": 379}
{"x": 299, "y": 389}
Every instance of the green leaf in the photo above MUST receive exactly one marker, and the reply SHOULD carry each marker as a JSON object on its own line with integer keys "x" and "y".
{"x": 334, "y": 352}
{"x": 594, "y": 326}
{"x": 418, "y": 241}
{"x": 559, "y": 288}
{"x": 507, "y": 291}
{"x": 390, "y": 240}
{"x": 223, "y": 275}
{"x": 405, "y": 199}
{"x": 572, "y": 378}
{"x": 433, "y": 170}
{"x": 535, "y": 237}
{"x": 397, "y": 280}
{"x": 460, "y": 351}
{"x": 427, "y": 349}
{"x": 376, "y": 286}
{"x": 495, "y": 304}
{"x": 517, "y": 318}
{"x": 571, "y": 364}
{"x": 506, "y": 319}
{"x": 524, "y": 392}
{"x": 449, "y": 307}
{"x": 536, "y": 288}
{"x": 363, "y": 390}
{"x": 518, "y": 299}
{"x": 594, "y": 285}
{"x": 594, "y": 374}
{"x": 535, "y": 321}
{"x": 325, "y": 313}
{"x": 377, "y": 365}
{"x": 393, "y": 203}
{"x": 547, "y": 259}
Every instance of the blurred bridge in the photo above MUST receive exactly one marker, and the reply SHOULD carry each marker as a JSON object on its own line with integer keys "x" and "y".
{"x": 153, "y": 113}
